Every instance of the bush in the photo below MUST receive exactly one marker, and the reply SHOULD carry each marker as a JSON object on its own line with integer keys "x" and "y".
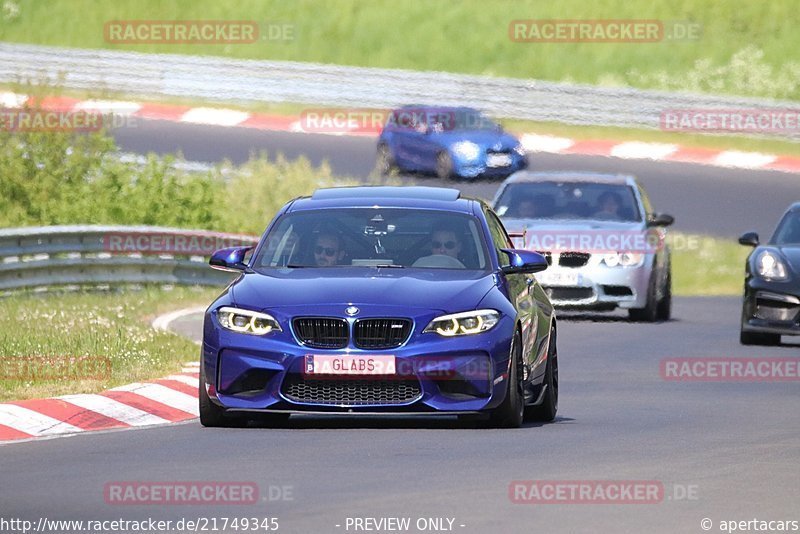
{"x": 54, "y": 178}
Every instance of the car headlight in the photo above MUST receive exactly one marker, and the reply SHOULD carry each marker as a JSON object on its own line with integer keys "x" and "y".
{"x": 247, "y": 321}
{"x": 519, "y": 150}
{"x": 466, "y": 149}
{"x": 464, "y": 324}
{"x": 770, "y": 266}
{"x": 623, "y": 259}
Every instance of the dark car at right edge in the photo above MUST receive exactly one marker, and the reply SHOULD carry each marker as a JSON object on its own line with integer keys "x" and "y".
{"x": 771, "y": 306}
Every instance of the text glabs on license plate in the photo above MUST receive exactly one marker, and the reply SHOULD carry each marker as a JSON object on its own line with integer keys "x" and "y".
{"x": 348, "y": 364}
{"x": 559, "y": 278}
{"x": 498, "y": 160}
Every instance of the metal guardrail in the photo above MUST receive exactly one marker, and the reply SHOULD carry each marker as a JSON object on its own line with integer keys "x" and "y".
{"x": 57, "y": 256}
{"x": 236, "y": 80}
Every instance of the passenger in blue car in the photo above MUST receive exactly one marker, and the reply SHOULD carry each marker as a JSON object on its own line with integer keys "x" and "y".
{"x": 446, "y": 241}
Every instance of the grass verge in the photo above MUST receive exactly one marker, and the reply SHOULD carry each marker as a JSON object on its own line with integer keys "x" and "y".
{"x": 61, "y": 343}
{"x": 707, "y": 266}
{"x": 743, "y": 47}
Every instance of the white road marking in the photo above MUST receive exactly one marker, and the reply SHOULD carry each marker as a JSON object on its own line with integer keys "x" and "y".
{"x": 32, "y": 422}
{"x": 215, "y": 116}
{"x": 193, "y": 381}
{"x": 164, "y": 395}
{"x": 162, "y": 322}
{"x": 545, "y": 143}
{"x": 116, "y": 107}
{"x": 114, "y": 409}
{"x": 12, "y": 100}
{"x": 744, "y": 160}
{"x": 637, "y": 150}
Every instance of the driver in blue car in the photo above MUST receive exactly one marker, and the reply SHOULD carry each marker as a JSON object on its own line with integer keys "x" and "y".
{"x": 328, "y": 250}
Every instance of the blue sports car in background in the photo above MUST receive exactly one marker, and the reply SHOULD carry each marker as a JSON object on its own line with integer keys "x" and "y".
{"x": 451, "y": 142}
{"x": 380, "y": 300}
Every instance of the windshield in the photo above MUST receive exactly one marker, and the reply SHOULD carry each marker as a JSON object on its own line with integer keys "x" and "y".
{"x": 788, "y": 230}
{"x": 372, "y": 237}
{"x": 569, "y": 200}
{"x": 473, "y": 120}
{"x": 440, "y": 120}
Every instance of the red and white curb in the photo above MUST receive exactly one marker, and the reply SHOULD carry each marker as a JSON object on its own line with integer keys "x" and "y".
{"x": 171, "y": 399}
{"x": 530, "y": 141}
{"x": 659, "y": 152}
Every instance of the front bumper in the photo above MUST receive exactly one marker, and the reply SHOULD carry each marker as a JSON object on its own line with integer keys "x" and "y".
{"x": 439, "y": 375}
{"x": 477, "y": 168}
{"x": 771, "y": 308}
{"x": 597, "y": 287}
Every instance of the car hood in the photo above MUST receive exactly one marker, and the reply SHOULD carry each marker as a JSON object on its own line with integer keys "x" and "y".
{"x": 445, "y": 290}
{"x": 486, "y": 139}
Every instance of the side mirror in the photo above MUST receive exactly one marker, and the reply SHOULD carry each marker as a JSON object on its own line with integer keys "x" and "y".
{"x": 230, "y": 259}
{"x": 524, "y": 261}
{"x": 749, "y": 239}
{"x": 661, "y": 219}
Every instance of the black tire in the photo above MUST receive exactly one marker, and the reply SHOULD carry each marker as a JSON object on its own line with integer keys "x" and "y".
{"x": 212, "y": 415}
{"x": 754, "y": 338}
{"x": 444, "y": 166}
{"x": 546, "y": 411}
{"x": 511, "y": 411}
{"x": 649, "y": 313}
{"x": 385, "y": 160}
{"x": 664, "y": 308}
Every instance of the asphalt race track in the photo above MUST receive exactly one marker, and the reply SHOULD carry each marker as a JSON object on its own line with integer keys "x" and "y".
{"x": 721, "y": 450}
{"x": 703, "y": 199}
{"x": 733, "y": 447}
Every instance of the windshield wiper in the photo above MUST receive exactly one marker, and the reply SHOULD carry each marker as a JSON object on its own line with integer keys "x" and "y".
{"x": 388, "y": 266}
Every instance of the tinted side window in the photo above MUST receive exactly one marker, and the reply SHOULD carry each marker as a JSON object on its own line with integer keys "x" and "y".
{"x": 500, "y": 238}
{"x": 648, "y": 208}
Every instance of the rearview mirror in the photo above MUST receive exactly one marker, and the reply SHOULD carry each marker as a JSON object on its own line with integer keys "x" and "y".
{"x": 524, "y": 261}
{"x": 749, "y": 239}
{"x": 660, "y": 219}
{"x": 230, "y": 259}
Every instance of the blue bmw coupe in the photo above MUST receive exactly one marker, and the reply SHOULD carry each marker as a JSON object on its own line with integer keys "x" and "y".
{"x": 365, "y": 300}
{"x": 453, "y": 143}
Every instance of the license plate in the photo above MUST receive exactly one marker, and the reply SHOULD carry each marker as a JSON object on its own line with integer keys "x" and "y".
{"x": 498, "y": 160}
{"x": 347, "y": 364}
{"x": 559, "y": 278}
